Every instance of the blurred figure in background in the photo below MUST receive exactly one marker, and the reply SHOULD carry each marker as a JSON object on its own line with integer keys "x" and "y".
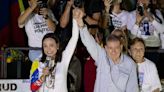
{"x": 38, "y": 21}
{"x": 114, "y": 16}
{"x": 147, "y": 71}
{"x": 146, "y": 22}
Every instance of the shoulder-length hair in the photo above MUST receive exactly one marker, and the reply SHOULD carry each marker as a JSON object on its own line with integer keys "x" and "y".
{"x": 59, "y": 52}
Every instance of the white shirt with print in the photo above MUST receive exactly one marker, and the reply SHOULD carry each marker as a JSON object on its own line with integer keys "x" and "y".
{"x": 148, "y": 76}
{"x": 149, "y": 32}
{"x": 120, "y": 20}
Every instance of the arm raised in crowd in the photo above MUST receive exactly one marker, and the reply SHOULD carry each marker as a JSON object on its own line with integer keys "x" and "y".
{"x": 24, "y": 16}
{"x": 69, "y": 50}
{"x": 106, "y": 16}
{"x": 49, "y": 17}
{"x": 87, "y": 39}
{"x": 64, "y": 20}
{"x": 34, "y": 8}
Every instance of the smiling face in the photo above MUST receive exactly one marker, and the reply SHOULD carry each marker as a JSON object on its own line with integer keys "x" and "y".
{"x": 114, "y": 49}
{"x": 50, "y": 47}
{"x": 137, "y": 51}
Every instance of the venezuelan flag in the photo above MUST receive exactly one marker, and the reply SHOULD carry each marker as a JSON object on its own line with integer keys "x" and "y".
{"x": 35, "y": 82}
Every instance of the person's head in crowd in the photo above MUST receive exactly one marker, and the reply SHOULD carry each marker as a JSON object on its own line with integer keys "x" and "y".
{"x": 137, "y": 49}
{"x": 118, "y": 3}
{"x": 50, "y": 47}
{"x": 113, "y": 47}
{"x": 119, "y": 33}
{"x": 115, "y": 2}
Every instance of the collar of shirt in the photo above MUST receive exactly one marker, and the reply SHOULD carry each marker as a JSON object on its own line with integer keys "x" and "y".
{"x": 111, "y": 63}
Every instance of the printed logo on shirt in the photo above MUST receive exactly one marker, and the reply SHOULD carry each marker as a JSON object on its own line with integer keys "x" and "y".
{"x": 141, "y": 78}
{"x": 40, "y": 27}
{"x": 146, "y": 28}
{"x": 39, "y": 24}
{"x": 116, "y": 22}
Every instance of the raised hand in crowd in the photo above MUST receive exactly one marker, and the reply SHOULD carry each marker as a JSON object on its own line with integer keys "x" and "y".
{"x": 65, "y": 17}
{"x": 70, "y": 2}
{"x": 78, "y": 15}
{"x": 33, "y": 3}
{"x": 25, "y": 14}
{"x": 43, "y": 12}
{"x": 107, "y": 4}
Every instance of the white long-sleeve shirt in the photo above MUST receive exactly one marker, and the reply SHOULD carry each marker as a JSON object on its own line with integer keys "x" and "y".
{"x": 120, "y": 20}
{"x": 110, "y": 77}
{"x": 61, "y": 69}
{"x": 151, "y": 36}
{"x": 148, "y": 76}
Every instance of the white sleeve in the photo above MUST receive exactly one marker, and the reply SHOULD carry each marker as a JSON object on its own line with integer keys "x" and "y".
{"x": 89, "y": 42}
{"x": 135, "y": 31}
{"x": 132, "y": 84}
{"x": 131, "y": 20}
{"x": 159, "y": 27}
{"x": 155, "y": 79}
{"x": 160, "y": 15}
{"x": 69, "y": 50}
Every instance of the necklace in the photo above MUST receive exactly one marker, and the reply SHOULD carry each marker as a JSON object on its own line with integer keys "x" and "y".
{"x": 50, "y": 79}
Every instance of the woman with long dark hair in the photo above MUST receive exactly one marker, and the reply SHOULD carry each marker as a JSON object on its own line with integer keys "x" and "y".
{"x": 49, "y": 74}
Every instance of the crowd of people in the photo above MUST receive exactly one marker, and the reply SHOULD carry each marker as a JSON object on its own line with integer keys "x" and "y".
{"x": 108, "y": 40}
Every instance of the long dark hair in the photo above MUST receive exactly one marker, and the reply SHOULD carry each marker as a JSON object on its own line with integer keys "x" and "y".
{"x": 58, "y": 54}
{"x": 153, "y": 8}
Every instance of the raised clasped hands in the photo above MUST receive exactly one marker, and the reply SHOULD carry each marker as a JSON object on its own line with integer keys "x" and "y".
{"x": 78, "y": 15}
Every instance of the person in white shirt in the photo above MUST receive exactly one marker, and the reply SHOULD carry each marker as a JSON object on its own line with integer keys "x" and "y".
{"x": 116, "y": 72}
{"x": 49, "y": 74}
{"x": 147, "y": 71}
{"x": 146, "y": 22}
{"x": 38, "y": 21}
{"x": 115, "y": 17}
